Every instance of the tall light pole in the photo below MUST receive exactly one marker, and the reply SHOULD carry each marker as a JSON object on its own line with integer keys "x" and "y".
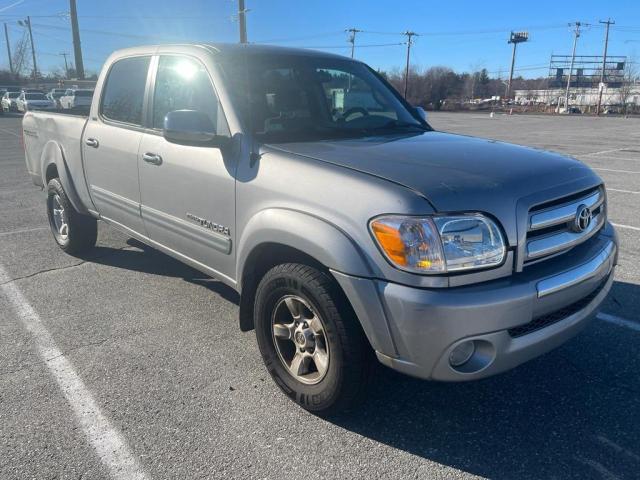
{"x": 515, "y": 38}
{"x": 6, "y": 36}
{"x": 409, "y": 36}
{"x": 576, "y": 33}
{"x": 352, "y": 39}
{"x": 242, "y": 21}
{"x": 77, "y": 49}
{"x": 608, "y": 23}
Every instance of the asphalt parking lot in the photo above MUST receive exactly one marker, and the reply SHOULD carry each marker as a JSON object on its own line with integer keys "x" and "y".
{"x": 152, "y": 350}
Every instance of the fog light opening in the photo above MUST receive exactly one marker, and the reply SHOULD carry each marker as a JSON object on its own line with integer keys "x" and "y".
{"x": 462, "y": 353}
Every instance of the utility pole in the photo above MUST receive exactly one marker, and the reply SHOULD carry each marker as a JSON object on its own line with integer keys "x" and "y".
{"x": 576, "y": 33}
{"x": 608, "y": 23}
{"x": 352, "y": 38}
{"x": 6, "y": 36}
{"x": 77, "y": 49}
{"x": 409, "y": 36}
{"x": 515, "y": 38}
{"x": 242, "y": 21}
{"x": 66, "y": 65}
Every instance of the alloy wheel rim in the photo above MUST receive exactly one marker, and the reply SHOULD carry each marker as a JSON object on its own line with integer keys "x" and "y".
{"x": 300, "y": 339}
{"x": 59, "y": 218}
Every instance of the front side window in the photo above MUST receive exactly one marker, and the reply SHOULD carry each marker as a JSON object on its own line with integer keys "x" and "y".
{"x": 124, "y": 88}
{"x": 296, "y": 98}
{"x": 183, "y": 84}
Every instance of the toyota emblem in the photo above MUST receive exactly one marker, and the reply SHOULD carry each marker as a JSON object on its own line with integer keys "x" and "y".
{"x": 583, "y": 218}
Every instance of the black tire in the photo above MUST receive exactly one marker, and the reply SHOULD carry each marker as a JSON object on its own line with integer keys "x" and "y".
{"x": 81, "y": 231}
{"x": 350, "y": 361}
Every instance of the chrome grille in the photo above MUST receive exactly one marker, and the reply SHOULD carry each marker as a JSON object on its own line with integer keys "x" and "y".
{"x": 550, "y": 229}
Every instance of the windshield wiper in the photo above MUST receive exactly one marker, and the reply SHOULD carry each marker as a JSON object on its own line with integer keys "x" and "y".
{"x": 399, "y": 124}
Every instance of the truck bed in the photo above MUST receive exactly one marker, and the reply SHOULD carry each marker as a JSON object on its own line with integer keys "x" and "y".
{"x": 55, "y": 139}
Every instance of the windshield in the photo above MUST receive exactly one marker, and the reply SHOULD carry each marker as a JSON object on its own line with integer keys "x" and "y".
{"x": 34, "y": 96}
{"x": 288, "y": 98}
{"x": 83, "y": 93}
{"x": 13, "y": 94}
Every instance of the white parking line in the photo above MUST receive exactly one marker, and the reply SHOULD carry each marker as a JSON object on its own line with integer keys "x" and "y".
{"x": 619, "y": 190}
{"x": 605, "y": 151}
{"x": 26, "y": 230}
{"x": 10, "y": 132}
{"x": 614, "y": 170}
{"x": 621, "y": 322}
{"x": 109, "y": 444}
{"x": 629, "y": 227}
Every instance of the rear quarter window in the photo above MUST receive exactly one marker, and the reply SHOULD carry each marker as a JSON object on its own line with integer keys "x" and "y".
{"x": 123, "y": 94}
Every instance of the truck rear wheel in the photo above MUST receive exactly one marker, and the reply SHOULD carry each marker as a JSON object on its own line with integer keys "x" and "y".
{"x": 310, "y": 341}
{"x": 73, "y": 232}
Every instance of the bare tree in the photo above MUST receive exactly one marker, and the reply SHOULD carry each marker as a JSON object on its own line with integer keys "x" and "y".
{"x": 629, "y": 79}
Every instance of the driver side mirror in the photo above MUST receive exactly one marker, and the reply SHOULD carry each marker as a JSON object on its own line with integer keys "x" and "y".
{"x": 192, "y": 127}
{"x": 422, "y": 113}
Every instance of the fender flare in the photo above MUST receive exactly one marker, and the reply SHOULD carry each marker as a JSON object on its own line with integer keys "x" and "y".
{"x": 52, "y": 153}
{"x": 334, "y": 249}
{"x": 314, "y": 236}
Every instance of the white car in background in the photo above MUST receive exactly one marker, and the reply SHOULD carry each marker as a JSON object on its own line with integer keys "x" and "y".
{"x": 9, "y": 101}
{"x": 34, "y": 101}
{"x": 74, "y": 98}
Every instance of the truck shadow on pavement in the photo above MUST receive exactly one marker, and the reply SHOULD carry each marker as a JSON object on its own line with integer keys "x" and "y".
{"x": 145, "y": 259}
{"x": 573, "y": 413}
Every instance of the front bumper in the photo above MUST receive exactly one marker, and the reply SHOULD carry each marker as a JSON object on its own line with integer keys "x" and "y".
{"x": 510, "y": 320}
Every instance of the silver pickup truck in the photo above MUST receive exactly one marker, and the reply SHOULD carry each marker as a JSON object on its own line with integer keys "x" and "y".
{"x": 351, "y": 229}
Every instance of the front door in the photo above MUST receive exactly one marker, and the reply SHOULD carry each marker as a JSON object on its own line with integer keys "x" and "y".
{"x": 188, "y": 192}
{"x": 111, "y": 142}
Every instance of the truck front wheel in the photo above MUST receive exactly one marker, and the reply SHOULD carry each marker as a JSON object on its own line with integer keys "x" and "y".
{"x": 73, "y": 232}
{"x": 310, "y": 341}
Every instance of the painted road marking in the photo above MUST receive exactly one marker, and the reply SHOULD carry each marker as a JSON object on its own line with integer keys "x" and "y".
{"x": 619, "y": 190}
{"x": 109, "y": 444}
{"x": 606, "y": 151}
{"x": 26, "y": 230}
{"x": 10, "y": 132}
{"x": 614, "y": 170}
{"x": 620, "y": 225}
{"x": 621, "y": 322}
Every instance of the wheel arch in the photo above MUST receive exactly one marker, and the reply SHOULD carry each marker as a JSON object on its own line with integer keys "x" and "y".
{"x": 276, "y": 236}
{"x": 53, "y": 164}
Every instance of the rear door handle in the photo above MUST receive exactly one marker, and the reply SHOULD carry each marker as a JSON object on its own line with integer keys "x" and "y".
{"x": 92, "y": 142}
{"x": 152, "y": 158}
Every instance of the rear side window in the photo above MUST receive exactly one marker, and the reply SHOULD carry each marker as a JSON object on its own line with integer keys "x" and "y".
{"x": 183, "y": 84}
{"x": 124, "y": 90}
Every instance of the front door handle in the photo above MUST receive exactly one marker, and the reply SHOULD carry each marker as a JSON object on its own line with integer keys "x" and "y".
{"x": 92, "y": 142}
{"x": 152, "y": 158}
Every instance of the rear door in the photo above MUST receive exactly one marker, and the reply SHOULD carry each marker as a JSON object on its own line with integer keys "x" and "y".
{"x": 111, "y": 142}
{"x": 187, "y": 192}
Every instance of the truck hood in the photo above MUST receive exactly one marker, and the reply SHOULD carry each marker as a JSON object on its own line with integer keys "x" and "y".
{"x": 454, "y": 172}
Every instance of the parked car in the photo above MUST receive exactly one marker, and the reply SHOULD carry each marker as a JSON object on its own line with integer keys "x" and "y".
{"x": 9, "y": 101}
{"x": 74, "y": 98}
{"x": 350, "y": 233}
{"x": 55, "y": 94}
{"x": 34, "y": 101}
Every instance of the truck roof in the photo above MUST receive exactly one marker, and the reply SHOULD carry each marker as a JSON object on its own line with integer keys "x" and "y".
{"x": 231, "y": 50}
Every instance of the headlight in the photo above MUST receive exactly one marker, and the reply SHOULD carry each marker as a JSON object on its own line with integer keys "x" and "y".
{"x": 439, "y": 244}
